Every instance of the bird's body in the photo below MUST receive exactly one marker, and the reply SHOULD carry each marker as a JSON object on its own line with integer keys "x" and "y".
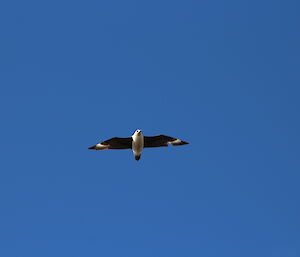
{"x": 137, "y": 142}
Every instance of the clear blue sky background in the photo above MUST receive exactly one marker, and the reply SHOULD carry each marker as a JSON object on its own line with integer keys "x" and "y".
{"x": 222, "y": 75}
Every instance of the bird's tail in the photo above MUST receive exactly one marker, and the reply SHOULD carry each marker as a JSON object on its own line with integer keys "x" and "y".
{"x": 137, "y": 157}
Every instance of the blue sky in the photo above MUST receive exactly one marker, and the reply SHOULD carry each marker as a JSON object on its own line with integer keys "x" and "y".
{"x": 222, "y": 75}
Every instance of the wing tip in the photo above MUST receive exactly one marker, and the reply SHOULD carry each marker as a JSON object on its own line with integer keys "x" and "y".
{"x": 99, "y": 147}
{"x": 179, "y": 142}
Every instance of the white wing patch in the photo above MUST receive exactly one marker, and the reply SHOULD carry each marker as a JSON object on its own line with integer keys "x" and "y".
{"x": 101, "y": 147}
{"x": 176, "y": 142}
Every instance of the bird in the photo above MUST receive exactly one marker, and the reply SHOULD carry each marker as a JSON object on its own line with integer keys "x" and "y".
{"x": 137, "y": 142}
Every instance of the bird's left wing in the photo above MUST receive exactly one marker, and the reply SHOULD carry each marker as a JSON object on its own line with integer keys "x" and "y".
{"x": 162, "y": 140}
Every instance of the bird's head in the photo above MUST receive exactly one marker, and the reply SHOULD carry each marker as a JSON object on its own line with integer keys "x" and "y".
{"x": 138, "y": 132}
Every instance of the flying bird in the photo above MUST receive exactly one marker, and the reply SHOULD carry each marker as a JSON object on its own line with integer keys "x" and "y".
{"x": 137, "y": 142}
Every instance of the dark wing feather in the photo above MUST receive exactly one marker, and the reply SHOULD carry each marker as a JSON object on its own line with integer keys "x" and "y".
{"x": 158, "y": 141}
{"x": 118, "y": 143}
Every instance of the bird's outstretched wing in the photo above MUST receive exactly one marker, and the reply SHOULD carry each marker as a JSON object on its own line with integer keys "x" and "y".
{"x": 162, "y": 140}
{"x": 114, "y": 143}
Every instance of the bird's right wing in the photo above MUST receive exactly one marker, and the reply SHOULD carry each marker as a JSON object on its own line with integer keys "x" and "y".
{"x": 114, "y": 143}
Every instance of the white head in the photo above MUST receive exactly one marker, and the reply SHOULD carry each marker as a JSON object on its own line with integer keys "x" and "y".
{"x": 138, "y": 132}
